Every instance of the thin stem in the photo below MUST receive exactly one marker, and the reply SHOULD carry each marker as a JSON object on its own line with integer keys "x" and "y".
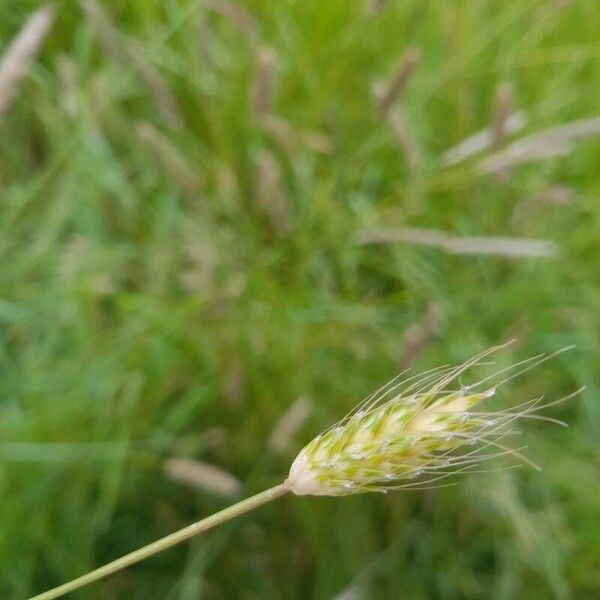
{"x": 168, "y": 541}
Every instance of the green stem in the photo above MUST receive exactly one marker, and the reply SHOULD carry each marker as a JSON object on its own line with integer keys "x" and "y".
{"x": 168, "y": 541}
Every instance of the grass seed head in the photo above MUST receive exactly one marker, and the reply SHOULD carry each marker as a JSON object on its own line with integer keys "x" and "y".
{"x": 412, "y": 433}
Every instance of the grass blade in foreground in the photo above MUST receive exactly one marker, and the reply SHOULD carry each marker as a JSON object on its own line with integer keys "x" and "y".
{"x": 407, "y": 435}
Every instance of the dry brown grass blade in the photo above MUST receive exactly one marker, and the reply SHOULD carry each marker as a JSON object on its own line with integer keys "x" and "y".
{"x": 202, "y": 476}
{"x": 502, "y": 108}
{"x": 501, "y": 246}
{"x": 108, "y": 37}
{"x": 554, "y": 141}
{"x": 400, "y": 130}
{"x": 410, "y": 235}
{"x": 283, "y": 433}
{"x": 353, "y": 592}
{"x": 21, "y": 52}
{"x": 419, "y": 335}
{"x": 482, "y": 140}
{"x": 386, "y": 94}
{"x": 262, "y": 84}
{"x": 268, "y": 193}
{"x": 376, "y": 6}
{"x": 483, "y": 245}
{"x": 392, "y": 90}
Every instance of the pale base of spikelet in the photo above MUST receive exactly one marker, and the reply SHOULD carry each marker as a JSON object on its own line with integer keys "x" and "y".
{"x": 302, "y": 482}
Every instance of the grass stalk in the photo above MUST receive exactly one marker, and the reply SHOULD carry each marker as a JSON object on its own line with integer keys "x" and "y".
{"x": 167, "y": 542}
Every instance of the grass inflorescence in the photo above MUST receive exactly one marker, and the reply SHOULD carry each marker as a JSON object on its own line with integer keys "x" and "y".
{"x": 415, "y": 432}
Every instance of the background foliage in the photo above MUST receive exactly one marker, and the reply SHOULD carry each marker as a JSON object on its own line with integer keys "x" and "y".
{"x": 182, "y": 187}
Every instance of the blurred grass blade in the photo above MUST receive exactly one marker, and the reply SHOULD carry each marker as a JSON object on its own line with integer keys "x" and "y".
{"x": 21, "y": 52}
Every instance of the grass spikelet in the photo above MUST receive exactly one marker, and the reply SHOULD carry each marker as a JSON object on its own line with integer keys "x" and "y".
{"x": 415, "y": 432}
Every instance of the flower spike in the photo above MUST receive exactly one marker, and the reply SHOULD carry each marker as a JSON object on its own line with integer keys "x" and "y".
{"x": 412, "y": 433}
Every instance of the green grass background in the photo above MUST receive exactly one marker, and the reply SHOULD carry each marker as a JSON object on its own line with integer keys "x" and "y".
{"x": 163, "y": 300}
